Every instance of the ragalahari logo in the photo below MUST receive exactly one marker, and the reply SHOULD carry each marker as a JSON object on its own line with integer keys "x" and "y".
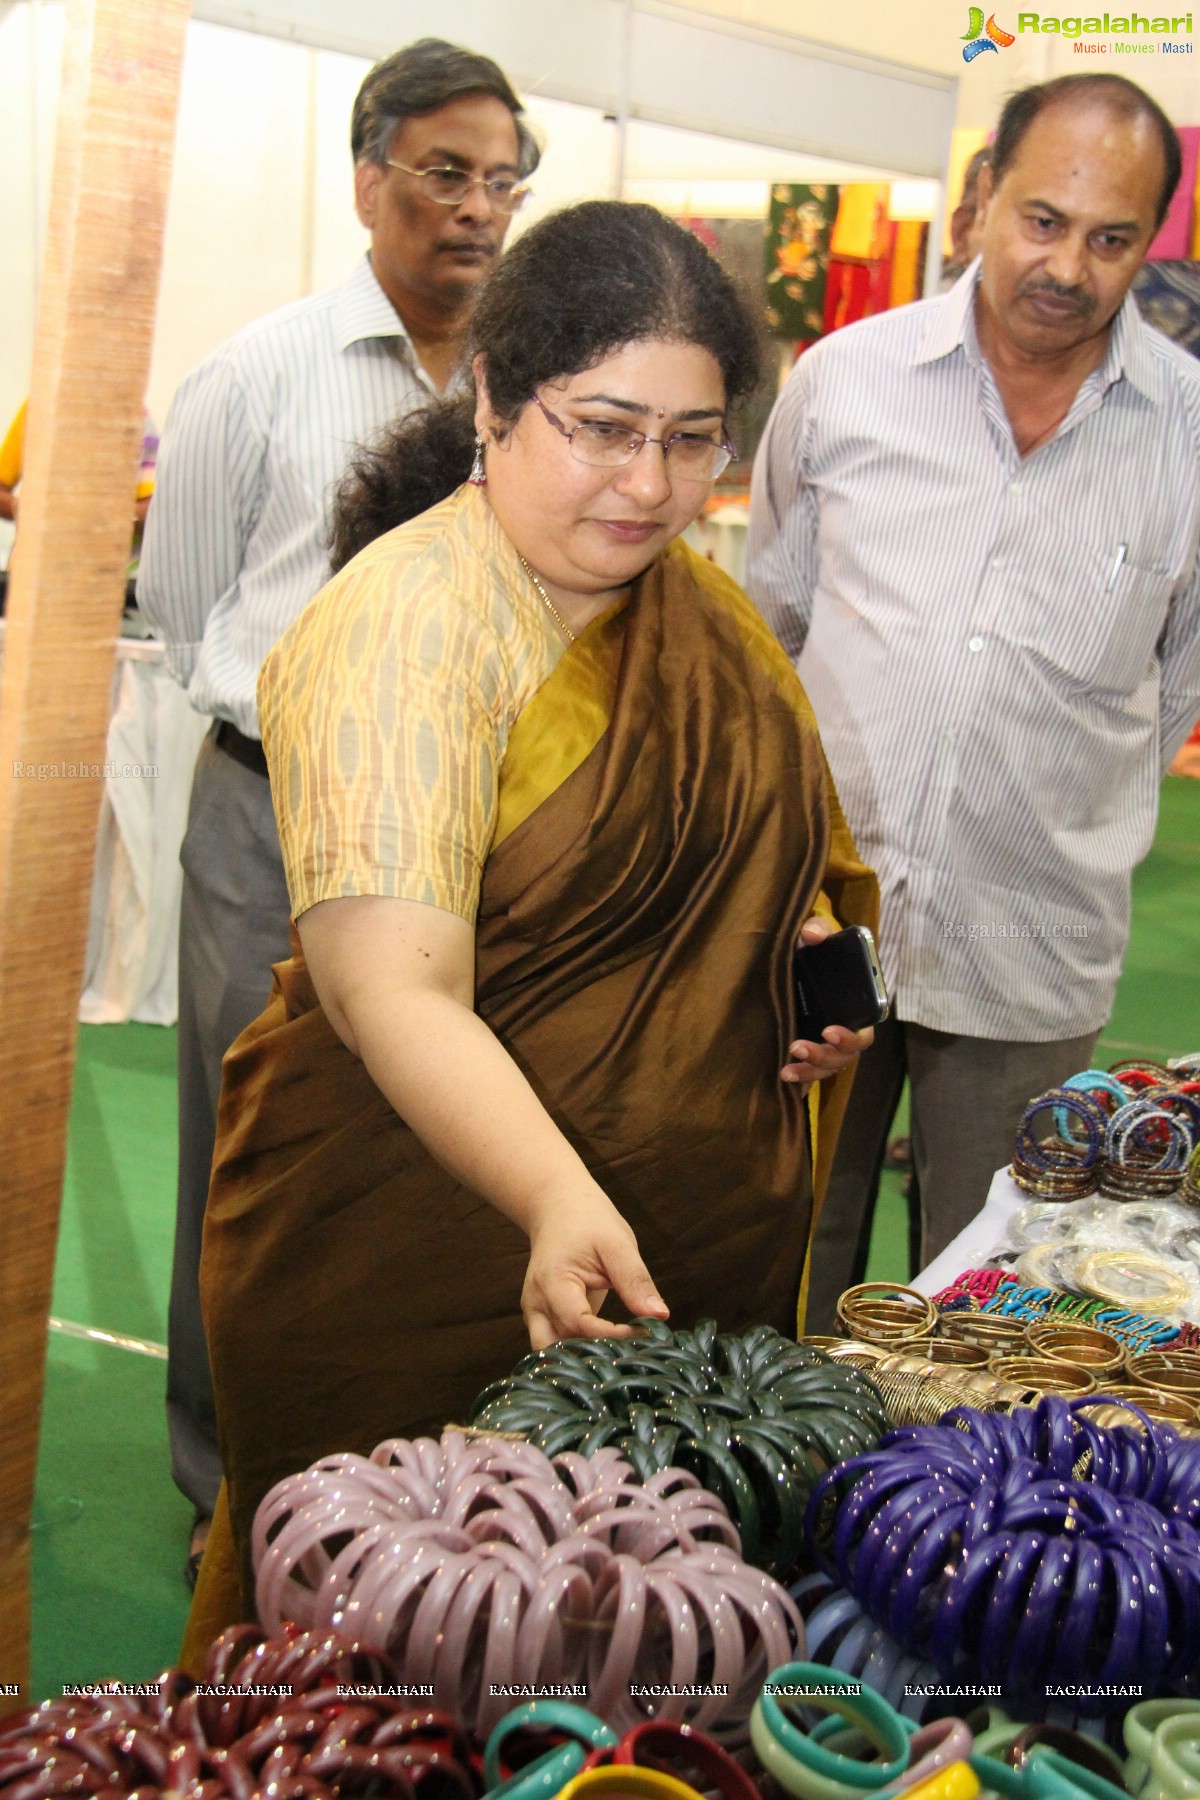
{"x": 980, "y": 37}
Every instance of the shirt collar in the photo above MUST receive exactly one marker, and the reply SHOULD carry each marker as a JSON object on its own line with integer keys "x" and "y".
{"x": 1130, "y": 355}
{"x": 950, "y": 322}
{"x": 362, "y": 309}
{"x": 951, "y": 325}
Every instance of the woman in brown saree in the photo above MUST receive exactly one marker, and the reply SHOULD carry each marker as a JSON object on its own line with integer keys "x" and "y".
{"x": 554, "y": 813}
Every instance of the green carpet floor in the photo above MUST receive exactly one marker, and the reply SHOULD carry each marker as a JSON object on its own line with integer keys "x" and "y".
{"x": 110, "y": 1530}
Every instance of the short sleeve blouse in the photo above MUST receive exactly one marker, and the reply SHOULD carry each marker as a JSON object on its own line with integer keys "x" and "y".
{"x": 386, "y": 708}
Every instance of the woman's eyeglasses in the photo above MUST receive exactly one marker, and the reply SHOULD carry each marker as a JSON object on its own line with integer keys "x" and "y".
{"x": 450, "y": 187}
{"x": 604, "y": 445}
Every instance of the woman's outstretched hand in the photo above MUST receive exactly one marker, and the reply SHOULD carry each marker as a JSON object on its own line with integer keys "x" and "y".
{"x": 579, "y": 1249}
{"x": 839, "y": 1046}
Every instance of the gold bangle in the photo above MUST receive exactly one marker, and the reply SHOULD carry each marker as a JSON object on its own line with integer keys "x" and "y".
{"x": 1085, "y": 1345}
{"x": 883, "y": 1311}
{"x": 991, "y": 1332}
{"x": 1100, "y": 1275}
{"x": 1175, "y": 1409}
{"x": 1044, "y": 1374}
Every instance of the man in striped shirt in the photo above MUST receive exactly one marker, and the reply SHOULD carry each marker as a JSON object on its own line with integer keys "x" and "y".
{"x": 975, "y": 525}
{"x": 235, "y": 548}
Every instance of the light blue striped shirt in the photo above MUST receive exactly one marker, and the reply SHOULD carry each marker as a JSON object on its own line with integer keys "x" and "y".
{"x": 1002, "y": 654}
{"x": 256, "y": 440}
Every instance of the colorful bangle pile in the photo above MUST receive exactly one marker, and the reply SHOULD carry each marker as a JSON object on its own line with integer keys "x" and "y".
{"x": 992, "y": 1293}
{"x": 1066, "y": 1166}
{"x": 1189, "y": 1187}
{"x": 478, "y": 1566}
{"x": 270, "y": 1717}
{"x": 1131, "y": 1131}
{"x": 1147, "y": 1146}
{"x": 1025, "y": 1549}
{"x": 756, "y": 1418}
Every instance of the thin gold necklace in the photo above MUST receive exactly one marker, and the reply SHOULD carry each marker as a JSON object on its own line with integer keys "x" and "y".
{"x": 546, "y": 601}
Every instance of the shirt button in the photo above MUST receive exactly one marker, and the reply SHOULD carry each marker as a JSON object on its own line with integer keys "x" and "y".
{"x": 975, "y": 643}
{"x": 1015, "y": 488}
{"x": 997, "y": 562}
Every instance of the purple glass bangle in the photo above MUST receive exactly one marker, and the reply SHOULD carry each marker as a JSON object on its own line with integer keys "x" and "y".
{"x": 1006, "y": 1604}
{"x": 926, "y": 1556}
{"x": 980, "y": 1548}
{"x": 1037, "y": 1631}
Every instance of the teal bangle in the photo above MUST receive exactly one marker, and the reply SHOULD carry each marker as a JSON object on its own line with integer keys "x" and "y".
{"x": 555, "y": 1715}
{"x": 996, "y": 1777}
{"x": 543, "y": 1778}
{"x": 859, "y": 1705}
{"x": 1051, "y": 1776}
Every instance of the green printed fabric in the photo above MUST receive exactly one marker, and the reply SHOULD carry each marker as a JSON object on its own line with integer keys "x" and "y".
{"x": 798, "y": 229}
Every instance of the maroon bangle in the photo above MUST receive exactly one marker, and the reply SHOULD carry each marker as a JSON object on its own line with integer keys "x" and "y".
{"x": 1071, "y": 1744}
{"x": 661, "y": 1744}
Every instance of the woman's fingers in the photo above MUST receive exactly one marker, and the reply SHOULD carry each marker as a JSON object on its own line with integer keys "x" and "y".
{"x": 558, "y": 1319}
{"x": 810, "y": 1061}
{"x": 572, "y": 1267}
{"x": 631, "y": 1279}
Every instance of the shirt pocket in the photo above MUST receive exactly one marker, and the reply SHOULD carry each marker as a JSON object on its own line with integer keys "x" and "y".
{"x": 1096, "y": 613}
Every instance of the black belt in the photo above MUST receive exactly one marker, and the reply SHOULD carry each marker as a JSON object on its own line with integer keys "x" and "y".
{"x": 246, "y": 750}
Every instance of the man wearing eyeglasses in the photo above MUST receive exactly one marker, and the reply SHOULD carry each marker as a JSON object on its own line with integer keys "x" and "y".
{"x": 236, "y": 546}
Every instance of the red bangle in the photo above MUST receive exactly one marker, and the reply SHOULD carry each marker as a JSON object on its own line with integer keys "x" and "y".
{"x": 660, "y": 1743}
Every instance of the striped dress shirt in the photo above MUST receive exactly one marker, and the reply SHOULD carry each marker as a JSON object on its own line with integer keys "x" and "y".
{"x": 256, "y": 440}
{"x": 1002, "y": 653}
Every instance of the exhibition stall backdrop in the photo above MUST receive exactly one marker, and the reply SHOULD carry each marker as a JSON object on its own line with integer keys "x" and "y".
{"x": 261, "y": 212}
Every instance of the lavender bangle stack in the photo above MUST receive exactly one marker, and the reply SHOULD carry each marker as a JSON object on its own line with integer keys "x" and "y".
{"x": 479, "y": 1566}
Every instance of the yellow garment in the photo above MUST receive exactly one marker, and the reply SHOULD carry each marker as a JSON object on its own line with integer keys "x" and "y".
{"x": 12, "y": 456}
{"x": 861, "y": 205}
{"x": 386, "y": 711}
{"x": 12, "y": 450}
{"x": 907, "y": 272}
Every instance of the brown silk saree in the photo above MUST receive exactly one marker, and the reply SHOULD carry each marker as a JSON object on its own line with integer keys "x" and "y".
{"x": 666, "y": 824}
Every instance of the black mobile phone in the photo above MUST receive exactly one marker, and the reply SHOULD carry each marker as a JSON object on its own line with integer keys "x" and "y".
{"x": 838, "y": 982}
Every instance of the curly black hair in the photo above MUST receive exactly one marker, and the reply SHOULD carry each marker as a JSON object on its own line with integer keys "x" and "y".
{"x": 576, "y": 287}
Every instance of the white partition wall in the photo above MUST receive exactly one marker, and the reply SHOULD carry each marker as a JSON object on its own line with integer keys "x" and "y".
{"x": 657, "y": 61}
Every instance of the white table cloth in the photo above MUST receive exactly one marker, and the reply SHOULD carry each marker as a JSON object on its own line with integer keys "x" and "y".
{"x": 131, "y": 971}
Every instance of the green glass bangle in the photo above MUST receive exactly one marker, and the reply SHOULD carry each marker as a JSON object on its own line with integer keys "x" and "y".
{"x": 735, "y": 1410}
{"x": 1141, "y": 1723}
{"x": 1175, "y": 1758}
{"x": 794, "y": 1777}
{"x": 859, "y": 1705}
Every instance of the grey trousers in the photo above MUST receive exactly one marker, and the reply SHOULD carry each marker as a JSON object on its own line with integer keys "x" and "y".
{"x": 233, "y": 926}
{"x": 966, "y": 1097}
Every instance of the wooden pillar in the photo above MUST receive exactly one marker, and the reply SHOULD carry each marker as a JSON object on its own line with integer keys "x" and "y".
{"x": 112, "y": 162}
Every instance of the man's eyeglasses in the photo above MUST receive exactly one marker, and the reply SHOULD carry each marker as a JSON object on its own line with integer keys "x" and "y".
{"x": 450, "y": 187}
{"x": 604, "y": 445}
